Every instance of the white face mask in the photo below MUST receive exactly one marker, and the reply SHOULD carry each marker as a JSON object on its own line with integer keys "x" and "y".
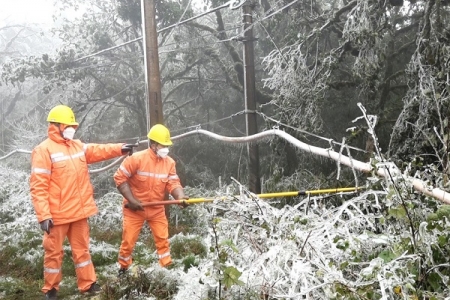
{"x": 68, "y": 133}
{"x": 163, "y": 152}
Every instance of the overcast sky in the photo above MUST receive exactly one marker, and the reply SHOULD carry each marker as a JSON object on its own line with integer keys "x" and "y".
{"x": 26, "y": 11}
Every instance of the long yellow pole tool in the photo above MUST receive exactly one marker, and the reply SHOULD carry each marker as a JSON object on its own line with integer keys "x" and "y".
{"x": 267, "y": 195}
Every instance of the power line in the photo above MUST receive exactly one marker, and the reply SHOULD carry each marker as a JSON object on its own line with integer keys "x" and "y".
{"x": 250, "y": 27}
{"x": 196, "y": 48}
{"x": 275, "y": 12}
{"x": 108, "y": 49}
{"x": 210, "y": 122}
{"x": 188, "y": 20}
{"x": 140, "y": 56}
{"x": 95, "y": 65}
{"x": 330, "y": 141}
{"x": 182, "y": 15}
{"x": 158, "y": 31}
{"x": 203, "y": 36}
{"x": 195, "y": 17}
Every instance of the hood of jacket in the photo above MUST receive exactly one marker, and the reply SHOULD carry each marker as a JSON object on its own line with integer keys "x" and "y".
{"x": 55, "y": 135}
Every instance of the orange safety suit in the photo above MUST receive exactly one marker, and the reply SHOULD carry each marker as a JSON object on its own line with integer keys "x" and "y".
{"x": 149, "y": 177}
{"x": 61, "y": 190}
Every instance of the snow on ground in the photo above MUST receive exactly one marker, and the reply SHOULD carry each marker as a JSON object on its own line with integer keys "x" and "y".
{"x": 313, "y": 249}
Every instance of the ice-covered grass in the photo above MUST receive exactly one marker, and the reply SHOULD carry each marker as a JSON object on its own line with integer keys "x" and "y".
{"x": 372, "y": 245}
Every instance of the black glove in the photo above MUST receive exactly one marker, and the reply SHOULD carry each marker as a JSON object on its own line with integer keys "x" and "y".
{"x": 46, "y": 225}
{"x": 128, "y": 148}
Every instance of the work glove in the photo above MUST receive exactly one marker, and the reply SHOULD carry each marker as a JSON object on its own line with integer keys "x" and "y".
{"x": 46, "y": 225}
{"x": 128, "y": 148}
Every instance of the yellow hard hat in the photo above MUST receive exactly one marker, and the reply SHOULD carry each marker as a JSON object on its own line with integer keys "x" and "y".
{"x": 62, "y": 114}
{"x": 160, "y": 134}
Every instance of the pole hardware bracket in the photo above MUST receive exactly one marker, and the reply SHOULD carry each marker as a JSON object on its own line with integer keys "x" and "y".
{"x": 235, "y": 4}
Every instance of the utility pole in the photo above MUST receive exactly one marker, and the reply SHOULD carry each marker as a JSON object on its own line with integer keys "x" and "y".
{"x": 254, "y": 182}
{"x": 151, "y": 61}
{"x": 152, "y": 75}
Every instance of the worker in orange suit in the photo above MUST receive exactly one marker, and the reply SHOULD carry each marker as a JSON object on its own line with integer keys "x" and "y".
{"x": 143, "y": 178}
{"x": 62, "y": 197}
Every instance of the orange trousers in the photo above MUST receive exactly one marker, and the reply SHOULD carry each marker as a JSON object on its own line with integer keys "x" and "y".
{"x": 132, "y": 225}
{"x": 78, "y": 235}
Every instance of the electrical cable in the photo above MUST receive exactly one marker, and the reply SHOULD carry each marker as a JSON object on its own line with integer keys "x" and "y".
{"x": 108, "y": 49}
{"x": 158, "y": 31}
{"x": 188, "y": 20}
{"x": 209, "y": 123}
{"x": 182, "y": 15}
{"x": 141, "y": 56}
{"x": 381, "y": 169}
{"x": 185, "y": 21}
{"x": 279, "y": 10}
{"x": 114, "y": 62}
{"x": 202, "y": 36}
{"x": 331, "y": 141}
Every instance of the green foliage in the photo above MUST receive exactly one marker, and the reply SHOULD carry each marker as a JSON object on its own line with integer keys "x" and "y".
{"x": 100, "y": 259}
{"x": 387, "y": 255}
{"x": 20, "y": 288}
{"x": 231, "y": 276}
{"x": 345, "y": 292}
{"x": 142, "y": 254}
{"x": 341, "y": 243}
{"x": 130, "y": 10}
{"x": 436, "y": 219}
{"x": 228, "y": 244}
{"x": 435, "y": 281}
{"x": 132, "y": 286}
{"x": 15, "y": 266}
{"x": 189, "y": 261}
{"x": 186, "y": 220}
{"x": 186, "y": 246}
{"x": 397, "y": 212}
{"x": 443, "y": 212}
{"x": 108, "y": 235}
{"x": 6, "y": 217}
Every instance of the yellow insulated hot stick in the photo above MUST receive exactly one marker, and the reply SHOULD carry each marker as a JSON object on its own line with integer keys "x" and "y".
{"x": 312, "y": 192}
{"x": 267, "y": 195}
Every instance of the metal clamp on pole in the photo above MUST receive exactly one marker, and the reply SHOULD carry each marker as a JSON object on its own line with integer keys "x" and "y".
{"x": 235, "y": 4}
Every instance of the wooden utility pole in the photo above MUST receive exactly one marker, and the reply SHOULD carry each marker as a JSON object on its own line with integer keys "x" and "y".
{"x": 254, "y": 182}
{"x": 152, "y": 75}
{"x": 151, "y": 60}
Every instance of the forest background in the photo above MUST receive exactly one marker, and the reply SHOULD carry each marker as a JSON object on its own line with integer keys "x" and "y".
{"x": 319, "y": 66}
